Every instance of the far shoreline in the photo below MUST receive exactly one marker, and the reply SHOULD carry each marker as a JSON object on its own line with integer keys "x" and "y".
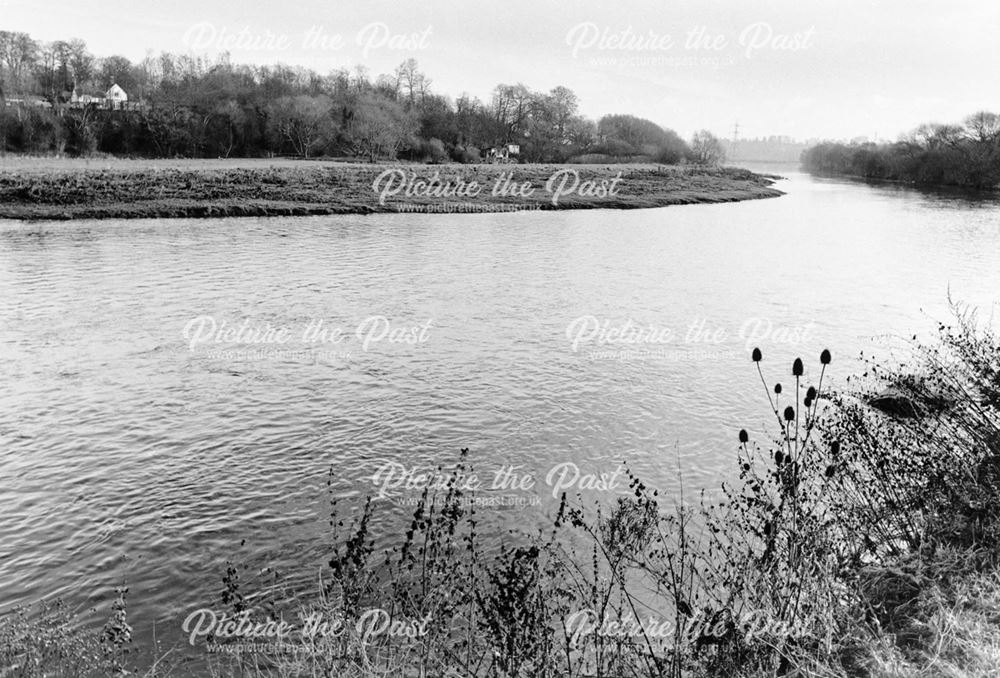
{"x": 925, "y": 186}
{"x": 53, "y": 188}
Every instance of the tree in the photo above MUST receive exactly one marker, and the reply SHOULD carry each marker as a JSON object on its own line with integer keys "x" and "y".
{"x": 379, "y": 128}
{"x": 81, "y": 63}
{"x": 18, "y": 56}
{"x": 560, "y": 105}
{"x": 46, "y": 71}
{"x": 625, "y": 135}
{"x": 548, "y": 124}
{"x": 62, "y": 57}
{"x": 438, "y": 120}
{"x": 83, "y": 131}
{"x": 672, "y": 149}
{"x": 117, "y": 70}
{"x": 952, "y": 155}
{"x": 581, "y": 132}
{"x": 227, "y": 126}
{"x": 983, "y": 127}
{"x": 304, "y": 122}
{"x": 475, "y": 123}
{"x": 934, "y": 136}
{"x": 983, "y": 168}
{"x": 706, "y": 149}
{"x": 512, "y": 104}
{"x": 410, "y": 83}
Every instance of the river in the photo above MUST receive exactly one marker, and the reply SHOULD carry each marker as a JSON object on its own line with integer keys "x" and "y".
{"x": 134, "y": 444}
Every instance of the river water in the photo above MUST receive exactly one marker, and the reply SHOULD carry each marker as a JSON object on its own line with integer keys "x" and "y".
{"x": 134, "y": 444}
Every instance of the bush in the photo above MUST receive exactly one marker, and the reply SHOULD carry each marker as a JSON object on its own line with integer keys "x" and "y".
{"x": 50, "y": 642}
{"x": 431, "y": 151}
{"x": 31, "y": 129}
{"x": 466, "y": 154}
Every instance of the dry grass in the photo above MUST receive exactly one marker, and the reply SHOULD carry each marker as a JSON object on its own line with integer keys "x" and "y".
{"x": 960, "y": 628}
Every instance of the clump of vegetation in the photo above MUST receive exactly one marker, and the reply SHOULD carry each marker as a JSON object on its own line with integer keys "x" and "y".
{"x": 946, "y": 155}
{"x": 50, "y": 643}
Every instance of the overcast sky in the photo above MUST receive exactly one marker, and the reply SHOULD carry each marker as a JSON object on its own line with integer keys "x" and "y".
{"x": 802, "y": 68}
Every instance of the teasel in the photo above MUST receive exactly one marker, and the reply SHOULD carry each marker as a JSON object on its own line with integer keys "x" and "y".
{"x": 797, "y": 367}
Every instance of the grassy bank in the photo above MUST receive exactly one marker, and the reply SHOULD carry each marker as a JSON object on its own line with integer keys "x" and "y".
{"x": 42, "y": 188}
{"x": 855, "y": 543}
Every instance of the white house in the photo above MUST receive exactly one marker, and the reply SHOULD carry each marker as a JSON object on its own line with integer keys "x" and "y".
{"x": 116, "y": 94}
{"x": 115, "y": 98}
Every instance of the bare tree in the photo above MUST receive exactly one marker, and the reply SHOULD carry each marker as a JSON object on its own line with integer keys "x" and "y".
{"x": 512, "y": 105}
{"x": 706, "y": 148}
{"x": 18, "y": 56}
{"x": 379, "y": 128}
{"x": 81, "y": 63}
{"x": 983, "y": 127}
{"x": 410, "y": 82}
{"x": 304, "y": 122}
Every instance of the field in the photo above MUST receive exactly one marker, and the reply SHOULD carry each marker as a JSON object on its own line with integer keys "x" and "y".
{"x": 81, "y": 188}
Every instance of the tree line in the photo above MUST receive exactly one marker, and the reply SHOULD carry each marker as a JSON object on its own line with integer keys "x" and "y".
{"x": 194, "y": 106}
{"x": 965, "y": 155}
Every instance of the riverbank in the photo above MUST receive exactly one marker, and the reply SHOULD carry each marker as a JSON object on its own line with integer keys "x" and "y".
{"x": 56, "y": 188}
{"x": 970, "y": 192}
{"x": 933, "y": 156}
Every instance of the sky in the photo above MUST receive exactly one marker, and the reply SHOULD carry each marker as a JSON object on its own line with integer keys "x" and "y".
{"x": 807, "y": 69}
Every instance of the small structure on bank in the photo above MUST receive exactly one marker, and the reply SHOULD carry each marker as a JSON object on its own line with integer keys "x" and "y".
{"x": 115, "y": 99}
{"x": 13, "y": 102}
{"x": 503, "y": 155}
